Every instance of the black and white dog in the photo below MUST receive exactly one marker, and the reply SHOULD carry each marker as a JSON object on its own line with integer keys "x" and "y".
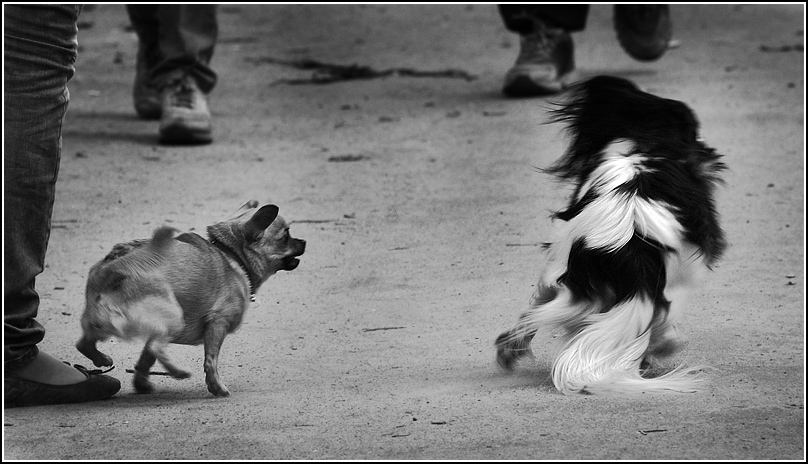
{"x": 640, "y": 230}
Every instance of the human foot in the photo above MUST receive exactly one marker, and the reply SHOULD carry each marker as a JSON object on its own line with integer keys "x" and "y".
{"x": 49, "y": 370}
{"x": 46, "y": 380}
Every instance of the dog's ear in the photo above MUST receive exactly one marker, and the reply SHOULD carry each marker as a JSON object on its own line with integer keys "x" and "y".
{"x": 260, "y": 221}
{"x": 243, "y": 209}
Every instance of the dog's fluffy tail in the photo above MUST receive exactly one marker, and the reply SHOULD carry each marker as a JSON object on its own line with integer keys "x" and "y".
{"x": 161, "y": 239}
{"x": 605, "y": 357}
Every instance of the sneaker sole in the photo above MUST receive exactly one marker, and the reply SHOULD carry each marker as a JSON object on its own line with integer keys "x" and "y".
{"x": 184, "y": 136}
{"x": 524, "y": 86}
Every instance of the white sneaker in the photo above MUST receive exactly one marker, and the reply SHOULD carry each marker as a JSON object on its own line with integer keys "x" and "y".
{"x": 186, "y": 117}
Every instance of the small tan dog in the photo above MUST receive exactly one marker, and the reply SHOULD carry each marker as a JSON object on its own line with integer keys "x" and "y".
{"x": 185, "y": 289}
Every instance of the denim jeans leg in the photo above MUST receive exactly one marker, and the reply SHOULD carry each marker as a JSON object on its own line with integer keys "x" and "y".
{"x": 186, "y": 35}
{"x": 39, "y": 54}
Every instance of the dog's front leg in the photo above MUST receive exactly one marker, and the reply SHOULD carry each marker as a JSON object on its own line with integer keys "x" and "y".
{"x": 511, "y": 347}
{"x": 214, "y": 336}
{"x": 515, "y": 343}
{"x": 550, "y": 307}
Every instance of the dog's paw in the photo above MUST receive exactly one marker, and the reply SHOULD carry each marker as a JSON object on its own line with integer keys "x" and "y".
{"x": 102, "y": 360}
{"x": 219, "y": 390}
{"x": 506, "y": 359}
{"x": 213, "y": 382}
{"x": 180, "y": 374}
{"x": 509, "y": 351}
{"x": 142, "y": 384}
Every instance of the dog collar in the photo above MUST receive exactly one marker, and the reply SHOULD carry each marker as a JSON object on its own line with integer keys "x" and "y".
{"x": 226, "y": 250}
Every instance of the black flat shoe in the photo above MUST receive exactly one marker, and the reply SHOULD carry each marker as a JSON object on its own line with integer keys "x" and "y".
{"x": 21, "y": 392}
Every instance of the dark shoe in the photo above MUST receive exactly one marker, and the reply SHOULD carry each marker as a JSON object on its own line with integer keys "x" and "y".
{"x": 545, "y": 64}
{"x": 643, "y": 31}
{"x": 145, "y": 94}
{"x": 19, "y": 392}
{"x": 186, "y": 117}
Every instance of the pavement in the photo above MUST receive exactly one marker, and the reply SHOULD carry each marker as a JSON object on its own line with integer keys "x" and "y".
{"x": 424, "y": 211}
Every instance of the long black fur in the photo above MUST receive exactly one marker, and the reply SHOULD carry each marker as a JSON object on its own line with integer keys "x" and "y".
{"x": 685, "y": 170}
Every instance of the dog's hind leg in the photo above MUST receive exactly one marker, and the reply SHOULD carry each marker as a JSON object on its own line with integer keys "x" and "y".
{"x": 98, "y": 323}
{"x": 154, "y": 350}
{"x": 87, "y": 346}
{"x": 156, "y": 346}
{"x": 157, "y": 318}
{"x": 664, "y": 341}
{"x": 684, "y": 270}
{"x": 215, "y": 332}
{"x": 141, "y": 379}
{"x": 157, "y": 321}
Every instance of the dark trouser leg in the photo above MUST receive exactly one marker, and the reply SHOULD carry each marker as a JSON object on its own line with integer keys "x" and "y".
{"x": 185, "y": 38}
{"x": 40, "y": 50}
{"x": 519, "y": 18}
